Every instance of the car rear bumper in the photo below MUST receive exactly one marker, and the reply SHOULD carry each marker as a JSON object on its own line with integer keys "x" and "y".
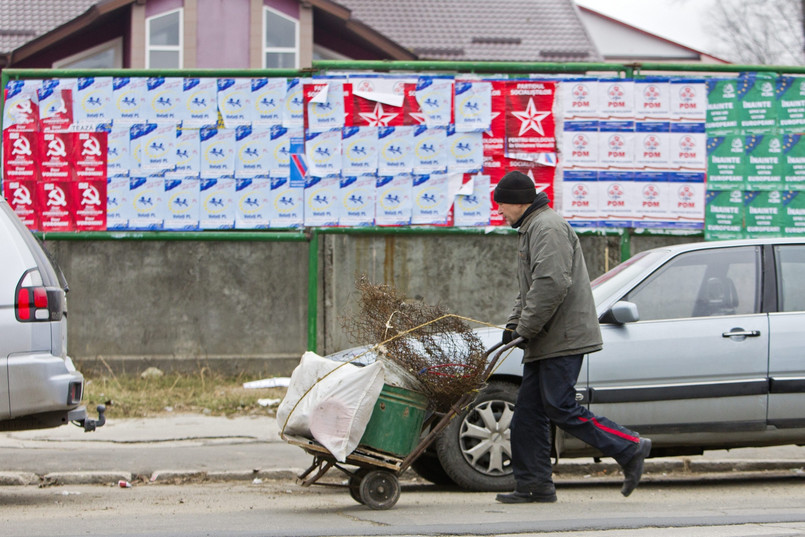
{"x": 41, "y": 384}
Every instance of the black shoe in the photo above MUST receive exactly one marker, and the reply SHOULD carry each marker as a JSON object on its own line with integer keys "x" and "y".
{"x": 547, "y": 495}
{"x": 633, "y": 470}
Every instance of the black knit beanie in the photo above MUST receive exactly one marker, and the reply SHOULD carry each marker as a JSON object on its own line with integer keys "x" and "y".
{"x": 515, "y": 187}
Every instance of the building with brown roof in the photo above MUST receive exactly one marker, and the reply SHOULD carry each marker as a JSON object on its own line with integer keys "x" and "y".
{"x": 284, "y": 33}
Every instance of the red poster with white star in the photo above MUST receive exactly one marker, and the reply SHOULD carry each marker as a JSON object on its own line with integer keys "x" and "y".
{"x": 530, "y": 123}
{"x": 364, "y": 111}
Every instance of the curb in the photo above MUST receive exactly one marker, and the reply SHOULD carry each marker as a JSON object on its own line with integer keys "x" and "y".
{"x": 170, "y": 477}
{"x": 681, "y": 466}
{"x": 567, "y": 472}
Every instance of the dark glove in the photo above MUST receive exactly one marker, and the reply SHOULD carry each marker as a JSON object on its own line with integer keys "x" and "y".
{"x": 523, "y": 344}
{"x": 508, "y": 333}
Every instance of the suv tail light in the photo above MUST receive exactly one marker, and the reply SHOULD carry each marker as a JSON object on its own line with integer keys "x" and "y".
{"x": 33, "y": 302}
{"x": 74, "y": 393}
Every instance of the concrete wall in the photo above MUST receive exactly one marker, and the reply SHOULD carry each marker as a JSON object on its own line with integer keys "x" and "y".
{"x": 242, "y": 306}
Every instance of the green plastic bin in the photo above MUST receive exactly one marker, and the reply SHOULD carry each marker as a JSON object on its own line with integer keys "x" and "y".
{"x": 396, "y": 421}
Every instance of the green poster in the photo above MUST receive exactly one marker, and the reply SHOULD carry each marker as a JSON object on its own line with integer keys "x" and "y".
{"x": 757, "y": 103}
{"x": 764, "y": 213}
{"x": 764, "y": 162}
{"x": 722, "y": 106}
{"x": 794, "y": 161}
{"x": 723, "y": 215}
{"x": 791, "y": 103}
{"x": 726, "y": 163}
{"x": 793, "y": 220}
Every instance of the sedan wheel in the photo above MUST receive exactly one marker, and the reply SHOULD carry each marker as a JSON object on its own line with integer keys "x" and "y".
{"x": 475, "y": 450}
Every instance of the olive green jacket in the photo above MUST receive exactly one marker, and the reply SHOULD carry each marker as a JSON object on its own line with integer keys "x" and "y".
{"x": 554, "y": 308}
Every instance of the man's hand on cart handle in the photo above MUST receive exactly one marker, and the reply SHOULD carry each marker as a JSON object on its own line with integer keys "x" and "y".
{"x": 510, "y": 335}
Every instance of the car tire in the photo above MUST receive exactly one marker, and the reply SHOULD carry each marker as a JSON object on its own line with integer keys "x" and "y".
{"x": 428, "y": 467}
{"x": 488, "y": 470}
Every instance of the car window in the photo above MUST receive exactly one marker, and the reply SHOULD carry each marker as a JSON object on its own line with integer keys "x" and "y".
{"x": 618, "y": 277}
{"x": 790, "y": 262}
{"x": 719, "y": 281}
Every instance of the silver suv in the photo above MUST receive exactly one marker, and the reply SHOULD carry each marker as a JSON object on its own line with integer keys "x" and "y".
{"x": 39, "y": 386}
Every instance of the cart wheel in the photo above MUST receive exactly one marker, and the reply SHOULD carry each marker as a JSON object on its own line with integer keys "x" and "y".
{"x": 379, "y": 489}
{"x": 355, "y": 488}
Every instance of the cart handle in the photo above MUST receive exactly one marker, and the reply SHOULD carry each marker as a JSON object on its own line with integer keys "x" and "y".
{"x": 500, "y": 348}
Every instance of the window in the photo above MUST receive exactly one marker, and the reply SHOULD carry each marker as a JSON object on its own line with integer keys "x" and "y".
{"x": 721, "y": 281}
{"x": 107, "y": 55}
{"x": 163, "y": 38}
{"x": 790, "y": 261}
{"x": 281, "y": 43}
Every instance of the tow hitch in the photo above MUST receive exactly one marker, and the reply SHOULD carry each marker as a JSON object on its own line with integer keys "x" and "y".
{"x": 89, "y": 424}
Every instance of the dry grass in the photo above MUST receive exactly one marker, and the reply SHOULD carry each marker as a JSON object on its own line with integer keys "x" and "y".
{"x": 202, "y": 392}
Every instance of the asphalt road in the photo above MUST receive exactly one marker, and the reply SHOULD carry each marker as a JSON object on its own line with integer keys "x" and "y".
{"x": 666, "y": 508}
{"x": 194, "y": 475}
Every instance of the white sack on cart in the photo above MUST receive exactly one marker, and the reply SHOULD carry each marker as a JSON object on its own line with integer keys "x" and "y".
{"x": 337, "y": 408}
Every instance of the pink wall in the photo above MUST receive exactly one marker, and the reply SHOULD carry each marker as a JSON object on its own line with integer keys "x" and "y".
{"x": 223, "y": 28}
{"x": 155, "y": 7}
{"x": 223, "y": 34}
{"x": 286, "y": 7}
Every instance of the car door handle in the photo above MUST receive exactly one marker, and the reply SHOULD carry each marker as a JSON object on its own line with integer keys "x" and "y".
{"x": 741, "y": 333}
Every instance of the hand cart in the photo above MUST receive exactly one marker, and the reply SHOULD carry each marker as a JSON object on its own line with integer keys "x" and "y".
{"x": 375, "y": 483}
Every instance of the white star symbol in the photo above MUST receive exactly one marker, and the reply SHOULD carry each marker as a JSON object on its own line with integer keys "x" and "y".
{"x": 419, "y": 117}
{"x": 531, "y": 119}
{"x": 378, "y": 118}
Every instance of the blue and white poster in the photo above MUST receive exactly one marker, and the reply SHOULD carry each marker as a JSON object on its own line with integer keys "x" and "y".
{"x": 357, "y": 198}
{"x": 395, "y": 150}
{"x": 217, "y": 202}
{"x": 431, "y": 199}
{"x": 182, "y": 201}
{"x": 252, "y": 155}
{"x": 435, "y": 99}
{"x": 394, "y": 200}
{"x": 235, "y": 101}
{"x": 252, "y": 196}
{"x": 465, "y": 151}
{"x": 360, "y": 150}
{"x": 473, "y": 105}
{"x": 268, "y": 99}
{"x": 321, "y": 200}
{"x": 323, "y": 152}
{"x": 474, "y": 207}
{"x": 200, "y": 101}
{"x": 286, "y": 207}
{"x": 217, "y": 151}
{"x": 188, "y": 152}
{"x": 430, "y": 149}
{"x": 293, "y": 110}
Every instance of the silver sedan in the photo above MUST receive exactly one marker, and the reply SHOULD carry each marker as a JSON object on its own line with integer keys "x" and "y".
{"x": 704, "y": 348}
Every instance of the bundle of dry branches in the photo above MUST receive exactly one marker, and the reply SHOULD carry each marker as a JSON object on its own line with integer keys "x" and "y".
{"x": 438, "y": 348}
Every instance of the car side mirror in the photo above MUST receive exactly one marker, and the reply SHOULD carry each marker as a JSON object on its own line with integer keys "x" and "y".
{"x": 621, "y": 312}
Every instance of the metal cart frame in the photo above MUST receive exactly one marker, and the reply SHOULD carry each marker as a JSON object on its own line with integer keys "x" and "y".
{"x": 376, "y": 483}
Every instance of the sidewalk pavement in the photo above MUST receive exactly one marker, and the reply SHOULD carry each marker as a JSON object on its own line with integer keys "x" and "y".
{"x": 193, "y": 447}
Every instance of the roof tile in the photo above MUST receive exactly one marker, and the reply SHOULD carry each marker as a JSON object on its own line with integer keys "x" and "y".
{"x": 22, "y": 21}
{"x": 480, "y": 30}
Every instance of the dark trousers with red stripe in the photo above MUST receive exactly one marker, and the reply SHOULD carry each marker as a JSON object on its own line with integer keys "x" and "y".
{"x": 546, "y": 395}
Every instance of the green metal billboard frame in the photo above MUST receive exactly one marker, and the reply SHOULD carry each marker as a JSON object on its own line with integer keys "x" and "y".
{"x": 311, "y": 235}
